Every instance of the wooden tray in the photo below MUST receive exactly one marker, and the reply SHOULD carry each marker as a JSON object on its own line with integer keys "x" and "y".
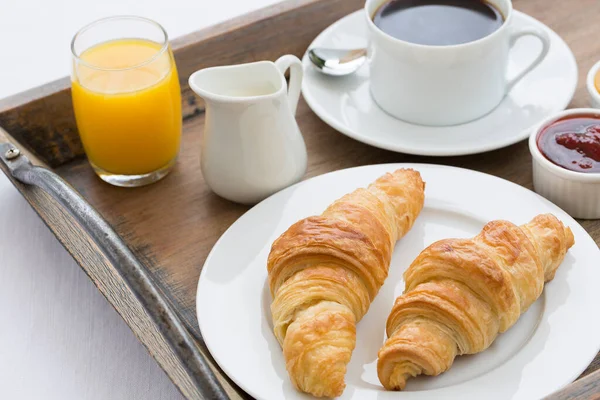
{"x": 171, "y": 226}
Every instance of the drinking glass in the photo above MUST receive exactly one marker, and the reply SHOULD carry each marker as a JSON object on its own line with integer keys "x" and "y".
{"x": 126, "y": 99}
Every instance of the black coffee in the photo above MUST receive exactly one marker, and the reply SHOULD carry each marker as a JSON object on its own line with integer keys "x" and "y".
{"x": 438, "y": 22}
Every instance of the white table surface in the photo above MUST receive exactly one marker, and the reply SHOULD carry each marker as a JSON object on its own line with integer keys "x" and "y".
{"x": 59, "y": 337}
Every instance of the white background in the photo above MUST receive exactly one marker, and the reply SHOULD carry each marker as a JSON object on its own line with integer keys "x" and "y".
{"x": 59, "y": 338}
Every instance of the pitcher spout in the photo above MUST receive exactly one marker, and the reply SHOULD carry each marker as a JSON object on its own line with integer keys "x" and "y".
{"x": 238, "y": 83}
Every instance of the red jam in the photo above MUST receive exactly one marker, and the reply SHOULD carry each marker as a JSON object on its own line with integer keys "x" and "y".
{"x": 573, "y": 143}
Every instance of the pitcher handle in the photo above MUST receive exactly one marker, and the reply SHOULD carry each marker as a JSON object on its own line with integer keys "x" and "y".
{"x": 294, "y": 64}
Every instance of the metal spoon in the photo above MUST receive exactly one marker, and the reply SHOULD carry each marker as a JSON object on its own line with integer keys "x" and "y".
{"x": 337, "y": 62}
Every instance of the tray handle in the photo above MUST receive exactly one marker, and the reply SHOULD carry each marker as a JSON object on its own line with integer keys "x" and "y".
{"x": 133, "y": 273}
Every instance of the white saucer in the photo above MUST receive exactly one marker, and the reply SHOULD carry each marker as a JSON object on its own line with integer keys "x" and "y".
{"x": 345, "y": 103}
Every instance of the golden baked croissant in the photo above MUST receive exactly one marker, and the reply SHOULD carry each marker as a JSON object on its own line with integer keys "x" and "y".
{"x": 460, "y": 293}
{"x": 325, "y": 270}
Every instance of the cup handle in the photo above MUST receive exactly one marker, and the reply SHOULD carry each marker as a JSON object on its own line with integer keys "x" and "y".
{"x": 544, "y": 38}
{"x": 294, "y": 64}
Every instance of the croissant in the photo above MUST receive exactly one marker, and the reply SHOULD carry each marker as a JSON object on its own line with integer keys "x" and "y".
{"x": 460, "y": 293}
{"x": 324, "y": 272}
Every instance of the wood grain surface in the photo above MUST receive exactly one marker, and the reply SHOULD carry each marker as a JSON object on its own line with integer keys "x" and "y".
{"x": 172, "y": 225}
{"x": 583, "y": 389}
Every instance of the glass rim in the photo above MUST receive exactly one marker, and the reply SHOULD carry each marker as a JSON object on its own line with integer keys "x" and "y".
{"x": 93, "y": 24}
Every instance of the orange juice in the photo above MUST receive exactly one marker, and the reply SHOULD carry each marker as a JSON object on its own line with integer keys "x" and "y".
{"x": 127, "y": 104}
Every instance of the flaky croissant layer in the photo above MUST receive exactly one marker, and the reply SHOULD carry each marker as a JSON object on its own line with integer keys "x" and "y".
{"x": 460, "y": 293}
{"x": 325, "y": 270}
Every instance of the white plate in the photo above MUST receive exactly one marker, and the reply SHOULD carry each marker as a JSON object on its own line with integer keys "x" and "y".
{"x": 548, "y": 347}
{"x": 345, "y": 103}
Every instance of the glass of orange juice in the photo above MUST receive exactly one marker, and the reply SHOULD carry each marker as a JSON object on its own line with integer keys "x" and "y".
{"x": 126, "y": 99}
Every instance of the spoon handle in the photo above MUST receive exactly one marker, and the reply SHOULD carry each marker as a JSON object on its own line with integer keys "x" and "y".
{"x": 353, "y": 55}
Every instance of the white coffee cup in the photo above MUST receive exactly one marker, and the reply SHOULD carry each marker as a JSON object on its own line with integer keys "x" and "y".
{"x": 445, "y": 85}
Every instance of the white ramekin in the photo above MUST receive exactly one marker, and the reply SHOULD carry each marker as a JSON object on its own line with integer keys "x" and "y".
{"x": 591, "y": 87}
{"x": 577, "y": 193}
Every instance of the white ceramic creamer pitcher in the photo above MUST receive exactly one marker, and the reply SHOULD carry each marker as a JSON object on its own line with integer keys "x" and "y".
{"x": 252, "y": 145}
